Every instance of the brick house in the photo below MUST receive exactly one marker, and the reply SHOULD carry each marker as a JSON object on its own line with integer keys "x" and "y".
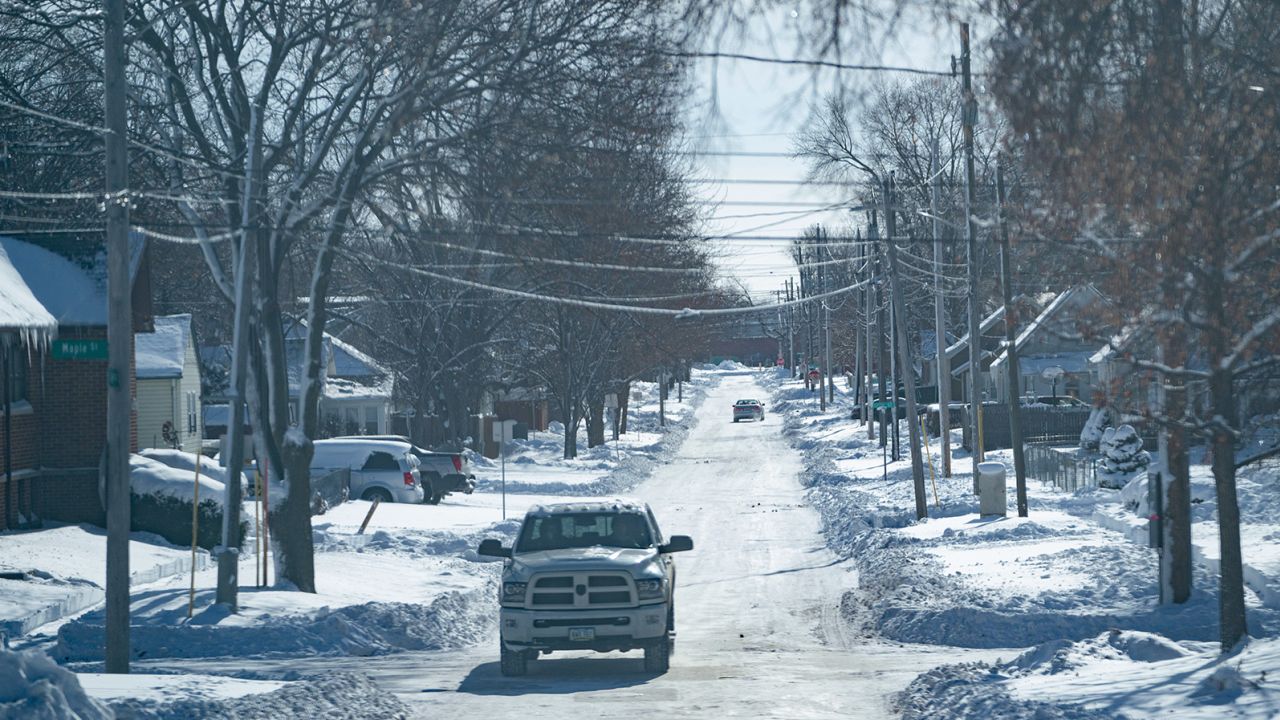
{"x": 53, "y": 408}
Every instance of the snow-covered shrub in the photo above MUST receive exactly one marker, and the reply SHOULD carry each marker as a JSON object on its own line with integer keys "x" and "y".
{"x": 1100, "y": 419}
{"x": 160, "y": 501}
{"x": 32, "y": 686}
{"x": 1122, "y": 456}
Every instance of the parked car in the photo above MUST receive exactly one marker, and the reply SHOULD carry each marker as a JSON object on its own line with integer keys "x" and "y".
{"x": 385, "y": 470}
{"x": 748, "y": 409}
{"x": 442, "y": 472}
{"x": 587, "y": 576}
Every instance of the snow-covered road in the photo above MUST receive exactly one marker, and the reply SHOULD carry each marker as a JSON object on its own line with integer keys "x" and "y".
{"x": 758, "y": 620}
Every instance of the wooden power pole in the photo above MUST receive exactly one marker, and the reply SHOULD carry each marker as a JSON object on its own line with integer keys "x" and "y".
{"x": 904, "y": 352}
{"x": 969, "y": 115}
{"x": 1011, "y": 350}
{"x": 940, "y": 320}
{"x": 119, "y": 339}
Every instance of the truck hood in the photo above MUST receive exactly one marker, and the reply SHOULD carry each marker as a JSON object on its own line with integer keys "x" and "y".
{"x": 636, "y": 561}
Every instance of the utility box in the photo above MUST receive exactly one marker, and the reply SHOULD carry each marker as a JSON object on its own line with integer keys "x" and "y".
{"x": 992, "y": 495}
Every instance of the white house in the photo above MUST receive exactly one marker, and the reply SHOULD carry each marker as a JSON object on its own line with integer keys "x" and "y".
{"x": 168, "y": 374}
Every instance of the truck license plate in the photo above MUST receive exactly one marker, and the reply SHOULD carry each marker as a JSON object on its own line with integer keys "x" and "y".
{"x": 582, "y": 634}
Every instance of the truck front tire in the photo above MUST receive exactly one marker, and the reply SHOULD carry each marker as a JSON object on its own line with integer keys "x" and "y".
{"x": 657, "y": 656}
{"x": 515, "y": 663}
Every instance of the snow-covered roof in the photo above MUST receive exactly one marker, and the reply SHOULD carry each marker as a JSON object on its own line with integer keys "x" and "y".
{"x": 1071, "y": 362}
{"x": 162, "y": 353}
{"x": 1077, "y": 294}
{"x": 41, "y": 290}
{"x": 217, "y": 415}
{"x": 344, "y": 389}
{"x": 986, "y": 324}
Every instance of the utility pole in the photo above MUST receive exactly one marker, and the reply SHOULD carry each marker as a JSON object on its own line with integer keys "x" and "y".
{"x": 821, "y": 239}
{"x": 904, "y": 349}
{"x": 1011, "y": 350}
{"x": 791, "y": 330}
{"x": 119, "y": 338}
{"x": 229, "y": 552}
{"x": 867, "y": 295}
{"x": 940, "y": 319}
{"x": 969, "y": 115}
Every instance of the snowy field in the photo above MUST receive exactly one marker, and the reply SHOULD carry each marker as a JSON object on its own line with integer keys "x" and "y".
{"x": 1074, "y": 579}
{"x": 411, "y": 582}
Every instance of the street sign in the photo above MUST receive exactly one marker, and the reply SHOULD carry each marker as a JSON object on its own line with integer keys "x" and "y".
{"x": 779, "y": 362}
{"x": 82, "y": 349}
{"x": 611, "y": 400}
{"x": 503, "y": 430}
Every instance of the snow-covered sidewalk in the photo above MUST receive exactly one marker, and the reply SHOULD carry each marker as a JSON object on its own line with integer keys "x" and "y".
{"x": 61, "y": 570}
{"x": 1071, "y": 572}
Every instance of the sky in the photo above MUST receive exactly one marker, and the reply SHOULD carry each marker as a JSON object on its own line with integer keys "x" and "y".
{"x": 761, "y": 107}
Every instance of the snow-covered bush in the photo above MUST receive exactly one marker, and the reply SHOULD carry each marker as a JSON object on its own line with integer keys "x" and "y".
{"x": 33, "y": 687}
{"x": 1122, "y": 456}
{"x": 1100, "y": 419}
{"x": 160, "y": 501}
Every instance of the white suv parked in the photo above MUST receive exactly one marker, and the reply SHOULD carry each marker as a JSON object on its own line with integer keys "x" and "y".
{"x": 385, "y": 470}
{"x": 588, "y": 576}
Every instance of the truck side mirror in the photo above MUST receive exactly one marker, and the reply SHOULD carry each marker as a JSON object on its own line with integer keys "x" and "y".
{"x": 493, "y": 548}
{"x": 677, "y": 543}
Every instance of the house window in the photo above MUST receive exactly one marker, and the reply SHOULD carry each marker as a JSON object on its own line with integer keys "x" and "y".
{"x": 371, "y": 420}
{"x": 15, "y": 372}
{"x": 191, "y": 414}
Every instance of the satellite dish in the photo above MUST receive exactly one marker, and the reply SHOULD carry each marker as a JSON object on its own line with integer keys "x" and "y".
{"x": 1053, "y": 373}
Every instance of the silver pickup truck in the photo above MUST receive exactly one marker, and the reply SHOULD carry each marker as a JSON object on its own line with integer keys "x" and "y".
{"x": 442, "y": 472}
{"x": 588, "y": 576}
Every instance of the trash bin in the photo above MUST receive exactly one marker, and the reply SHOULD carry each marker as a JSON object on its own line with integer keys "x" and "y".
{"x": 992, "y": 498}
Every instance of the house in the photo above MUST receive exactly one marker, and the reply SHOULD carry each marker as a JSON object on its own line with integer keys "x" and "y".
{"x": 356, "y": 390}
{"x": 1053, "y": 353}
{"x": 53, "y": 359}
{"x": 168, "y": 394}
{"x": 990, "y": 335}
{"x": 749, "y": 340}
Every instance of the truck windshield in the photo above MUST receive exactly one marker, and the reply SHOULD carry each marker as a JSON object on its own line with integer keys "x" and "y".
{"x": 575, "y": 530}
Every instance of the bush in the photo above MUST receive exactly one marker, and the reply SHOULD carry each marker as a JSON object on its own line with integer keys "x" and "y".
{"x": 1122, "y": 456}
{"x": 170, "y": 518}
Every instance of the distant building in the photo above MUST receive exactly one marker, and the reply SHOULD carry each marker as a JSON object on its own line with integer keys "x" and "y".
{"x": 53, "y": 361}
{"x": 1053, "y": 354}
{"x": 168, "y": 373}
{"x": 355, "y": 395}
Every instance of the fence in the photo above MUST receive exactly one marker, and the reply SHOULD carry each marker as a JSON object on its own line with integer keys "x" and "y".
{"x": 1050, "y": 425}
{"x": 329, "y": 490}
{"x": 1064, "y": 471}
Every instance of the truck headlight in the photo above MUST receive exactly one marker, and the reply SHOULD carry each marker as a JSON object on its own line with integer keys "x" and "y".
{"x": 512, "y": 591}
{"x": 650, "y": 589}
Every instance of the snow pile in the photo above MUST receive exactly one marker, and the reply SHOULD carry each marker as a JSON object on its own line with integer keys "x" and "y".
{"x": 152, "y": 477}
{"x": 1122, "y": 456}
{"x": 1113, "y": 675}
{"x": 32, "y": 687}
{"x": 975, "y": 691}
{"x": 180, "y": 460}
{"x": 346, "y": 695}
{"x": 452, "y": 620}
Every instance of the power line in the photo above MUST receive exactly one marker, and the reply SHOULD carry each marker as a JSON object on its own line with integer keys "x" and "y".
{"x": 812, "y": 63}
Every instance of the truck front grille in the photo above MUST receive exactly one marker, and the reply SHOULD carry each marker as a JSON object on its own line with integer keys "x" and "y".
{"x": 563, "y": 591}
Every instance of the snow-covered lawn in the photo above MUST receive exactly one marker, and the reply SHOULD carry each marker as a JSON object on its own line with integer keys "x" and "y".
{"x": 1077, "y": 570}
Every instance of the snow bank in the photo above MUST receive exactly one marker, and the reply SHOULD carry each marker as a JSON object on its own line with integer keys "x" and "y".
{"x": 152, "y": 477}
{"x": 452, "y": 620}
{"x": 1113, "y": 675}
{"x": 342, "y": 695}
{"x": 32, "y": 687}
{"x": 180, "y": 460}
{"x": 957, "y": 579}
